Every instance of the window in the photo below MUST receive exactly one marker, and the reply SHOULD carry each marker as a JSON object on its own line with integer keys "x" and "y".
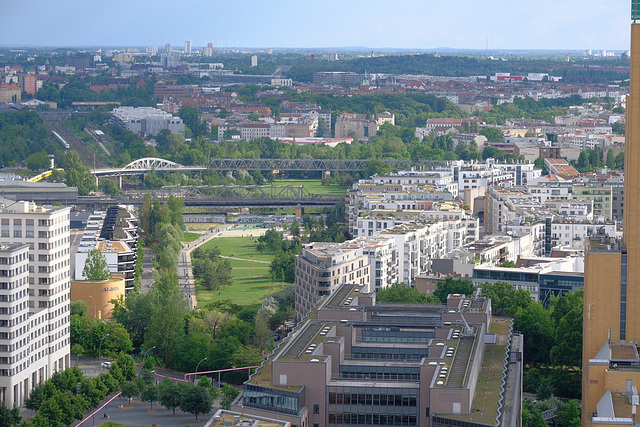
{"x": 316, "y": 409}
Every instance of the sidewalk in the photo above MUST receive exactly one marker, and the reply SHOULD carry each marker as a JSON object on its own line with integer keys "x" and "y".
{"x": 185, "y": 272}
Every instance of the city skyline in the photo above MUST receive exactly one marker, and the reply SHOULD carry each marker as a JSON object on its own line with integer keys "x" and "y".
{"x": 570, "y": 25}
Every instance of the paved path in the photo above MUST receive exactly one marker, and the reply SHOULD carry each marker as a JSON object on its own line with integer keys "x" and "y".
{"x": 244, "y": 259}
{"x": 185, "y": 272}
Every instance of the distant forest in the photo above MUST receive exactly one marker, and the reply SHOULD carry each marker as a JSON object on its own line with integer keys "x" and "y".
{"x": 588, "y": 71}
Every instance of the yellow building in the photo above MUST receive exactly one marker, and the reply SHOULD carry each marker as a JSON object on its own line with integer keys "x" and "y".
{"x": 98, "y": 295}
{"x": 611, "y": 323}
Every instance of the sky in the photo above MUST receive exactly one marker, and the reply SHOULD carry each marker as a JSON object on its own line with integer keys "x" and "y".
{"x": 409, "y": 24}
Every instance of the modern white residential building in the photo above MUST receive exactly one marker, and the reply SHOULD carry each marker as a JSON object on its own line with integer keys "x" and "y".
{"x": 383, "y": 260}
{"x": 114, "y": 233}
{"x": 322, "y": 267}
{"x": 33, "y": 345}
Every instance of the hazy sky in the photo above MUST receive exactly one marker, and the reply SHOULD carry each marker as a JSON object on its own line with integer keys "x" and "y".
{"x": 417, "y": 24}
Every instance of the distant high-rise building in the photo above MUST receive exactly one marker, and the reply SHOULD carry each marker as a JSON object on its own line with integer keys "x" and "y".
{"x": 208, "y": 51}
{"x": 611, "y": 318}
{"x": 80, "y": 62}
{"x": 167, "y": 48}
{"x": 170, "y": 59}
{"x": 254, "y": 60}
{"x": 29, "y": 83}
{"x": 152, "y": 50}
{"x": 187, "y": 47}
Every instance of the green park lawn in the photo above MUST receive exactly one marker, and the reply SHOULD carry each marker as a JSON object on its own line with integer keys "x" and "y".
{"x": 251, "y": 279}
{"x": 190, "y": 237}
{"x": 314, "y": 186}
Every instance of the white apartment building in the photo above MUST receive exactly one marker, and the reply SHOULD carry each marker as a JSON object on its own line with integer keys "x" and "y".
{"x": 550, "y": 192}
{"x": 34, "y": 347}
{"x": 383, "y": 260}
{"x": 321, "y": 267}
{"x": 571, "y": 233}
{"x": 418, "y": 243}
{"x": 577, "y": 210}
{"x": 440, "y": 179}
{"x": 15, "y": 348}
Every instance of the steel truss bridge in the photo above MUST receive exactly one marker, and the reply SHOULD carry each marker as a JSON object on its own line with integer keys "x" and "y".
{"x": 259, "y": 196}
{"x": 314, "y": 164}
{"x": 145, "y": 165}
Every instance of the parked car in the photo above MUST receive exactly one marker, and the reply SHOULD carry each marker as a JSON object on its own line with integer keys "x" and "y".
{"x": 105, "y": 364}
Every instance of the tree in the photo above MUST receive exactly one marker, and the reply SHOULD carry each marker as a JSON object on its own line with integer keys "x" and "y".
{"x": 109, "y": 187}
{"x": 571, "y": 415}
{"x": 505, "y": 299}
{"x": 126, "y": 365}
{"x": 399, "y": 292}
{"x": 567, "y": 314}
{"x": 150, "y": 394}
{"x": 196, "y": 401}
{"x": 229, "y": 393}
{"x": 491, "y": 133}
{"x": 170, "y": 395}
{"x": 52, "y": 412}
{"x": 536, "y": 325}
{"x": 247, "y": 356}
{"x": 453, "y": 286}
{"x": 79, "y": 308}
{"x": 545, "y": 389}
{"x": 37, "y": 161}
{"x": 295, "y": 228}
{"x": 96, "y": 268}
{"x": 9, "y": 417}
{"x": 38, "y": 395}
{"x": 130, "y": 389}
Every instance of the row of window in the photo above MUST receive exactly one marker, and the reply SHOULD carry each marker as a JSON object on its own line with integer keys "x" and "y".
{"x": 373, "y": 419}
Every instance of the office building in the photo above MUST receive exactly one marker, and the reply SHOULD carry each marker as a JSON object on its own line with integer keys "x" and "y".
{"x": 353, "y": 361}
{"x": 187, "y": 47}
{"x": 34, "y": 315}
{"x": 146, "y": 120}
{"x": 611, "y": 322}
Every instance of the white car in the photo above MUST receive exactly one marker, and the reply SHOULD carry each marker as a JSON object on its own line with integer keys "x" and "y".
{"x": 105, "y": 364}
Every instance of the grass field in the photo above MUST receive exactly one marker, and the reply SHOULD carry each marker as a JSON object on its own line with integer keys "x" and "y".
{"x": 190, "y": 237}
{"x": 314, "y": 186}
{"x": 251, "y": 279}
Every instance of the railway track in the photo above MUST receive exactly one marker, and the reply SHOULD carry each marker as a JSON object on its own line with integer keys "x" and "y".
{"x": 55, "y": 122}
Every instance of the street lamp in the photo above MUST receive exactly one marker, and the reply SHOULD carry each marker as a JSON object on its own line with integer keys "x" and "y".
{"x": 95, "y": 307}
{"x": 100, "y": 351}
{"x": 196, "y": 373}
{"x": 145, "y": 355}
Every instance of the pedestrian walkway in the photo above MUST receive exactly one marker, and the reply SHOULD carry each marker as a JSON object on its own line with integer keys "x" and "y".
{"x": 185, "y": 272}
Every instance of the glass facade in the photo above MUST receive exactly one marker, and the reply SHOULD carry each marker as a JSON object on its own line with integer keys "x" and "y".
{"x": 385, "y": 406}
{"x": 379, "y": 353}
{"x": 395, "y": 335}
{"x": 272, "y": 399}
{"x": 380, "y": 373}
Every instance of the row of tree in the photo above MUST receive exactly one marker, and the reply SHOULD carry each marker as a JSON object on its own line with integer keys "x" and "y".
{"x": 67, "y": 395}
